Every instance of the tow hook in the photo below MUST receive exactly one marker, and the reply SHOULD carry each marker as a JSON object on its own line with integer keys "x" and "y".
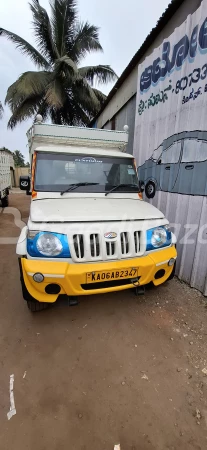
{"x": 139, "y": 290}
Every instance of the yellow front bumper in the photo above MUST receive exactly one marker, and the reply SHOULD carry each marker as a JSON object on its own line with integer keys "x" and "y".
{"x": 72, "y": 277}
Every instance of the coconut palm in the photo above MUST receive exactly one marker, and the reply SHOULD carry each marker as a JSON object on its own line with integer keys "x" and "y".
{"x": 1, "y": 110}
{"x": 60, "y": 90}
{"x": 18, "y": 159}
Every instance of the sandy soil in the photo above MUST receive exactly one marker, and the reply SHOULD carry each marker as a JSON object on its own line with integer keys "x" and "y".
{"x": 115, "y": 369}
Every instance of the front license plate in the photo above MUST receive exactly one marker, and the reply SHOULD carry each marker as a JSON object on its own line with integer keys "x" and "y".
{"x": 95, "y": 277}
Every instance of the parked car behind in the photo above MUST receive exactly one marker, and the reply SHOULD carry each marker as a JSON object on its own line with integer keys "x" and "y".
{"x": 178, "y": 165}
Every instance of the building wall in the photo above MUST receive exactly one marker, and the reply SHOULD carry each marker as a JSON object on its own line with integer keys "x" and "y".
{"x": 129, "y": 87}
{"x": 20, "y": 171}
{"x": 170, "y": 141}
{"x": 125, "y": 117}
{"x": 186, "y": 209}
{"x": 123, "y": 95}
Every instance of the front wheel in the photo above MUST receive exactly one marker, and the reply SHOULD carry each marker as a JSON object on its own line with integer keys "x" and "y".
{"x": 36, "y": 306}
{"x": 150, "y": 189}
{"x": 5, "y": 201}
{"x": 172, "y": 273}
{"x": 32, "y": 303}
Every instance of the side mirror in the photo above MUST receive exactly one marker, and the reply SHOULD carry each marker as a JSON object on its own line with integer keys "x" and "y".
{"x": 141, "y": 186}
{"x": 24, "y": 183}
{"x": 159, "y": 162}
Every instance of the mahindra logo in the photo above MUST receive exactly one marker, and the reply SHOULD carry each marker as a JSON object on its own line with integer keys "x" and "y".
{"x": 110, "y": 235}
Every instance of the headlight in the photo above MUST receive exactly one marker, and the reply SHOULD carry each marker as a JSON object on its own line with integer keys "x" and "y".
{"x": 48, "y": 245}
{"x": 158, "y": 237}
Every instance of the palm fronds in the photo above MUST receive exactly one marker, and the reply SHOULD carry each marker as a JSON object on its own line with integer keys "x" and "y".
{"x": 60, "y": 89}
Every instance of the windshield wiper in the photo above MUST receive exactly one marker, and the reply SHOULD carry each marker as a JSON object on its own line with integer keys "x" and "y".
{"x": 123, "y": 185}
{"x": 73, "y": 186}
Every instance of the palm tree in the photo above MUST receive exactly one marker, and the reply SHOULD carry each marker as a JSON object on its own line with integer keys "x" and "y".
{"x": 1, "y": 110}
{"x": 18, "y": 159}
{"x": 60, "y": 90}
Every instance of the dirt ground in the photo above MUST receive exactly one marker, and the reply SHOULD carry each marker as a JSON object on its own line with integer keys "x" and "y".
{"x": 115, "y": 369}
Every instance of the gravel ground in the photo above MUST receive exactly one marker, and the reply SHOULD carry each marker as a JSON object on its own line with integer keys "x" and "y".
{"x": 115, "y": 369}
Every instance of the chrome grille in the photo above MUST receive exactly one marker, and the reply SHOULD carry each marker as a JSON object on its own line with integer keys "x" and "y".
{"x": 94, "y": 245}
{"x": 124, "y": 243}
{"x": 110, "y": 248}
{"x": 137, "y": 241}
{"x": 78, "y": 243}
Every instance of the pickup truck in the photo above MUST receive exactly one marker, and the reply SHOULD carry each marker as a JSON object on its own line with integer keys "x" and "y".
{"x": 89, "y": 230}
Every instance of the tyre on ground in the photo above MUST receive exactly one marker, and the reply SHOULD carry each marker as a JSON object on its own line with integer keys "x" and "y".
{"x": 36, "y": 306}
{"x": 5, "y": 201}
{"x": 32, "y": 303}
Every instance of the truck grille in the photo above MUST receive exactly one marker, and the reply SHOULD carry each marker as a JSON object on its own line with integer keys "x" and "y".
{"x": 78, "y": 245}
{"x": 93, "y": 246}
{"x": 110, "y": 248}
{"x": 124, "y": 243}
{"x": 137, "y": 241}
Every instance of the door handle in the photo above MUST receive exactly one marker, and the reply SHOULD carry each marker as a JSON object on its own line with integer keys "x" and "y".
{"x": 167, "y": 168}
{"x": 189, "y": 167}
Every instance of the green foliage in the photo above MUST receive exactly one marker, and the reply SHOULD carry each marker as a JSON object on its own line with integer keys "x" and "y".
{"x": 61, "y": 90}
{"x": 18, "y": 159}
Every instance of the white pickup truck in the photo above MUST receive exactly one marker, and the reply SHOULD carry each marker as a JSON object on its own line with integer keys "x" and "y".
{"x": 5, "y": 177}
{"x": 89, "y": 231}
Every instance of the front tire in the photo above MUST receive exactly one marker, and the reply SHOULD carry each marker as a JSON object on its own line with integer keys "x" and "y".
{"x": 150, "y": 189}
{"x": 36, "y": 306}
{"x": 32, "y": 303}
{"x": 172, "y": 273}
{"x": 5, "y": 202}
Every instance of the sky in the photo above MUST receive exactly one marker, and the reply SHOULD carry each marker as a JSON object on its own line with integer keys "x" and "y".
{"x": 123, "y": 25}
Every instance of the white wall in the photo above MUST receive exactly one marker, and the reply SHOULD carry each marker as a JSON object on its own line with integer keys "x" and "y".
{"x": 176, "y": 125}
{"x": 129, "y": 87}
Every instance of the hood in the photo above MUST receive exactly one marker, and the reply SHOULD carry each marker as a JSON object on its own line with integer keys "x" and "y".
{"x": 85, "y": 209}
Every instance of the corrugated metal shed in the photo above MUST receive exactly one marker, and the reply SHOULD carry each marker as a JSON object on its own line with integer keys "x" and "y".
{"x": 125, "y": 116}
{"x": 166, "y": 16}
{"x": 170, "y": 142}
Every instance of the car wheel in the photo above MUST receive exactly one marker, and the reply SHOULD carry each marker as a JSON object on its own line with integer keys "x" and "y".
{"x": 32, "y": 303}
{"x": 36, "y": 306}
{"x": 5, "y": 201}
{"x": 150, "y": 189}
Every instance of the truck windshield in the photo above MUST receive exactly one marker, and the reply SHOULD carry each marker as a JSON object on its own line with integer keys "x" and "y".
{"x": 55, "y": 172}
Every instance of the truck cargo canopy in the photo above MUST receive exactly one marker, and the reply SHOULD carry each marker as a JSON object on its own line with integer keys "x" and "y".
{"x": 47, "y": 135}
